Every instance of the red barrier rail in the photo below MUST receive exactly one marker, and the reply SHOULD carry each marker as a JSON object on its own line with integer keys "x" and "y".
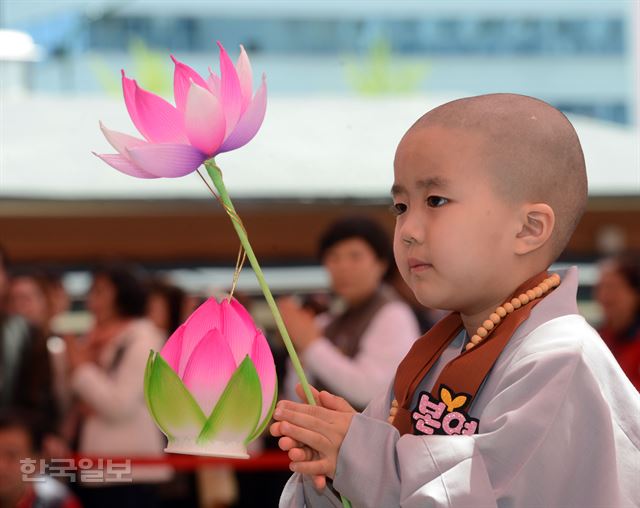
{"x": 267, "y": 461}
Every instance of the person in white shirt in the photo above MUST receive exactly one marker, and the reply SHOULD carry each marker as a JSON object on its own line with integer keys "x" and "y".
{"x": 109, "y": 416}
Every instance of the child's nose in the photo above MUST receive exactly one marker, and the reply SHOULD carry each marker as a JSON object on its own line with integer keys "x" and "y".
{"x": 412, "y": 229}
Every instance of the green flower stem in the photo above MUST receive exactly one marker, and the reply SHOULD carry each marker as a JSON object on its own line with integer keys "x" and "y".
{"x": 216, "y": 176}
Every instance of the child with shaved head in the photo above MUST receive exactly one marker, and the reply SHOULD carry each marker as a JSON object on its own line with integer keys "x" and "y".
{"x": 512, "y": 399}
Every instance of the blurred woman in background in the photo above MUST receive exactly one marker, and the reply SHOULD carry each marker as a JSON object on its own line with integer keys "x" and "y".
{"x": 165, "y": 306}
{"x": 353, "y": 353}
{"x": 618, "y": 293}
{"x": 29, "y": 298}
{"x": 109, "y": 415}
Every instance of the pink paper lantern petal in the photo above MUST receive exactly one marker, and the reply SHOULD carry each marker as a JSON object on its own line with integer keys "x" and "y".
{"x": 172, "y": 349}
{"x": 120, "y": 141}
{"x": 204, "y": 319}
{"x": 230, "y": 92}
{"x": 250, "y": 122}
{"x": 213, "y": 83}
{"x": 204, "y": 120}
{"x": 209, "y": 369}
{"x": 167, "y": 160}
{"x": 245, "y": 77}
{"x": 129, "y": 92}
{"x": 244, "y": 315}
{"x": 124, "y": 165}
{"x": 263, "y": 360}
{"x": 238, "y": 330}
{"x": 159, "y": 120}
{"x": 183, "y": 76}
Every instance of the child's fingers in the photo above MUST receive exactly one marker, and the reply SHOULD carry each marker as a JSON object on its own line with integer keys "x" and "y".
{"x": 302, "y": 454}
{"x": 311, "y": 467}
{"x": 303, "y": 397}
{"x": 334, "y": 402}
{"x": 319, "y": 481}
{"x": 286, "y": 443}
{"x": 294, "y": 408}
{"x": 274, "y": 429}
{"x": 308, "y": 417}
{"x": 308, "y": 437}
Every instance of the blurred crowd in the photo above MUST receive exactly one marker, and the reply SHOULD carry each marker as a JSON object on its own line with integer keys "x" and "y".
{"x": 68, "y": 388}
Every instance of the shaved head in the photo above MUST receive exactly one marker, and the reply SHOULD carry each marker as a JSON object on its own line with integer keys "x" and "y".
{"x": 531, "y": 151}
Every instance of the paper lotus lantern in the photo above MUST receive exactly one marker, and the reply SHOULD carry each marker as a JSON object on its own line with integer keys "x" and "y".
{"x": 212, "y": 388}
{"x": 210, "y": 116}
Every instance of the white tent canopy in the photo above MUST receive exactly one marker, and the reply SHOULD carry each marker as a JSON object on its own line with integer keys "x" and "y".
{"x": 308, "y": 148}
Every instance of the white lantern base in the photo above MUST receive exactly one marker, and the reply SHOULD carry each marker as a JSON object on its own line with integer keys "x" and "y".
{"x": 232, "y": 450}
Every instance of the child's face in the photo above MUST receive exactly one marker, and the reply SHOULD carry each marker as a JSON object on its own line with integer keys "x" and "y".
{"x": 453, "y": 233}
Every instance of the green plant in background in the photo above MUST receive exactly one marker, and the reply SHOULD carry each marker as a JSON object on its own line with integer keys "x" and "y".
{"x": 150, "y": 67}
{"x": 378, "y": 74}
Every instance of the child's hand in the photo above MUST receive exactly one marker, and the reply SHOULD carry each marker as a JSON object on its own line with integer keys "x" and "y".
{"x": 313, "y": 434}
{"x": 297, "y": 451}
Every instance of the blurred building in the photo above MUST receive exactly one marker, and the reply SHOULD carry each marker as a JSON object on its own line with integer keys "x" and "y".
{"x": 578, "y": 55}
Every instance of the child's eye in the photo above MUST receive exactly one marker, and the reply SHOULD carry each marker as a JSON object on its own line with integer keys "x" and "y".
{"x": 398, "y": 208}
{"x": 436, "y": 201}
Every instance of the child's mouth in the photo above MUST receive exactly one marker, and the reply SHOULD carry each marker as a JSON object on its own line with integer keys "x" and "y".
{"x": 416, "y": 265}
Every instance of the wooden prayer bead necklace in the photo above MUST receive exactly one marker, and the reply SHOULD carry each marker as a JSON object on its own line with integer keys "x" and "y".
{"x": 496, "y": 317}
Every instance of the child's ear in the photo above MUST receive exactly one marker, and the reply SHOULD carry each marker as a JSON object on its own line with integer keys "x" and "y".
{"x": 537, "y": 225}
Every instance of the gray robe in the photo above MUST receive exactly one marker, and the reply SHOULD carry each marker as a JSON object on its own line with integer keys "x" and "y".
{"x": 559, "y": 427}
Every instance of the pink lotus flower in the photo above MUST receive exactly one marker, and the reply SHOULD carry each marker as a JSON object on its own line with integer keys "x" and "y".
{"x": 212, "y": 388}
{"x": 210, "y": 116}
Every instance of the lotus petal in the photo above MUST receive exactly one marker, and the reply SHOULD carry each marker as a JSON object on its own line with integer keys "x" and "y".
{"x": 204, "y": 120}
{"x": 167, "y": 160}
{"x": 209, "y": 369}
{"x": 250, "y": 122}
{"x": 204, "y": 319}
{"x": 183, "y": 76}
{"x": 129, "y": 92}
{"x": 172, "y": 406}
{"x": 230, "y": 92}
{"x": 157, "y": 120}
{"x": 244, "y": 315}
{"x": 245, "y": 77}
{"x": 263, "y": 360}
{"x": 124, "y": 165}
{"x": 120, "y": 141}
{"x": 236, "y": 415}
{"x": 267, "y": 418}
{"x": 172, "y": 349}
{"x": 238, "y": 328}
{"x": 213, "y": 83}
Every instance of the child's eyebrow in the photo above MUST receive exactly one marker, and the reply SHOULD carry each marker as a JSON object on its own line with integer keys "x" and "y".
{"x": 427, "y": 183}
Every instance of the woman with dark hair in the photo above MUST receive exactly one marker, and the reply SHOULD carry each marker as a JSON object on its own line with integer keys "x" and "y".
{"x": 110, "y": 417}
{"x": 29, "y": 298}
{"x": 354, "y": 353}
{"x": 165, "y": 306}
{"x": 618, "y": 293}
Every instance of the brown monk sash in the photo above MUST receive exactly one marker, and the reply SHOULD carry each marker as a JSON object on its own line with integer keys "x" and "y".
{"x": 466, "y": 372}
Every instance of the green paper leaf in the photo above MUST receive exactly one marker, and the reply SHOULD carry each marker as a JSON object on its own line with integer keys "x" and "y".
{"x": 236, "y": 414}
{"x": 267, "y": 417}
{"x": 147, "y": 378}
{"x": 172, "y": 406}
